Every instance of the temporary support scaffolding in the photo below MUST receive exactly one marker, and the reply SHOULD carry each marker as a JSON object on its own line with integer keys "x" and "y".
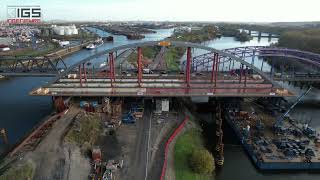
{"x": 219, "y": 134}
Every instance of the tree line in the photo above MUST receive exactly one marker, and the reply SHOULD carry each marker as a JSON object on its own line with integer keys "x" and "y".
{"x": 307, "y": 40}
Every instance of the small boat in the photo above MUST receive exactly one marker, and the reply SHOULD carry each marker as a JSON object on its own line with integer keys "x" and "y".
{"x": 90, "y": 46}
{"x": 98, "y": 41}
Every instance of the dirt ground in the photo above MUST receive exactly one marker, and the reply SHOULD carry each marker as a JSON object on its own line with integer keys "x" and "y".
{"x": 49, "y": 153}
{"x": 77, "y": 166}
{"x": 128, "y": 143}
{"x": 55, "y": 160}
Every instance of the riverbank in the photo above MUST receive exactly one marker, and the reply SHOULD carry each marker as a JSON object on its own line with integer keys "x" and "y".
{"x": 22, "y": 171}
{"x": 190, "y": 140}
{"x": 44, "y": 139}
{"x": 47, "y": 48}
{"x": 68, "y": 51}
{"x": 52, "y": 51}
{"x": 131, "y": 32}
{"x": 174, "y": 54}
{"x": 61, "y": 152}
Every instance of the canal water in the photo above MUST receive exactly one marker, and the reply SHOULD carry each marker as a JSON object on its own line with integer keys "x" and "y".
{"x": 21, "y": 112}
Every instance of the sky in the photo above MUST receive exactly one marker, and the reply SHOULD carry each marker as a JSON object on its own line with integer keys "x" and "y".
{"x": 173, "y": 10}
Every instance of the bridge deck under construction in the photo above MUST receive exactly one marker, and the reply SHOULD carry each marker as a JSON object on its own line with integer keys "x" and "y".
{"x": 166, "y": 86}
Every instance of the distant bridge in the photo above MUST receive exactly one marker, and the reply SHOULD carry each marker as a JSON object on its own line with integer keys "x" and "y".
{"x": 262, "y": 35}
{"x": 287, "y": 71}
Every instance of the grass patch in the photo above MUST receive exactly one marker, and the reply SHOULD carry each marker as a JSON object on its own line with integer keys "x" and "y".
{"x": 150, "y": 52}
{"x": 25, "y": 171}
{"x": 86, "y": 128}
{"x": 185, "y": 145}
{"x": 172, "y": 58}
{"x": 147, "y": 52}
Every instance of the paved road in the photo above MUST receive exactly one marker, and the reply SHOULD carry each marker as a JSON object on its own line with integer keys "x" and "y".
{"x": 121, "y": 60}
{"x": 159, "y": 60}
{"x": 139, "y": 161}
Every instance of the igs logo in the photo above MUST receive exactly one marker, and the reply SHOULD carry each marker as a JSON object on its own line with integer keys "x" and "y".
{"x": 23, "y": 14}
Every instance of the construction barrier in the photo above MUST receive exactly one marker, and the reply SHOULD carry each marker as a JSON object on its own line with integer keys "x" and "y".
{"x": 173, "y": 135}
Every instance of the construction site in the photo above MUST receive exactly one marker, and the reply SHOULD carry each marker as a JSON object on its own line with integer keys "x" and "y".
{"x": 118, "y": 122}
{"x": 113, "y": 138}
{"x": 97, "y": 138}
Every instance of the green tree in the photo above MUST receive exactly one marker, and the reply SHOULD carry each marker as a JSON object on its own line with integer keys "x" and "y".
{"x": 307, "y": 40}
{"x": 202, "y": 162}
{"x": 243, "y": 36}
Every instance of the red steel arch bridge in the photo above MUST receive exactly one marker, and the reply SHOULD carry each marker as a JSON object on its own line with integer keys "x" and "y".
{"x": 224, "y": 73}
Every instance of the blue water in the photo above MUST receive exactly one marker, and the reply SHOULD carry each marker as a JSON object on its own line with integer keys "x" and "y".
{"x": 19, "y": 111}
{"x": 229, "y": 42}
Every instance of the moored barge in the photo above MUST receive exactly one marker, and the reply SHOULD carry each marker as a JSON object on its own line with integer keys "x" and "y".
{"x": 296, "y": 147}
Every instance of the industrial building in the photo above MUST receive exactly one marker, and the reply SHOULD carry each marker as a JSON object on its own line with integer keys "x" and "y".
{"x": 64, "y": 30}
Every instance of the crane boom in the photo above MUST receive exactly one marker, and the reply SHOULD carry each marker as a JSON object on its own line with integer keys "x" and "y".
{"x": 280, "y": 119}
